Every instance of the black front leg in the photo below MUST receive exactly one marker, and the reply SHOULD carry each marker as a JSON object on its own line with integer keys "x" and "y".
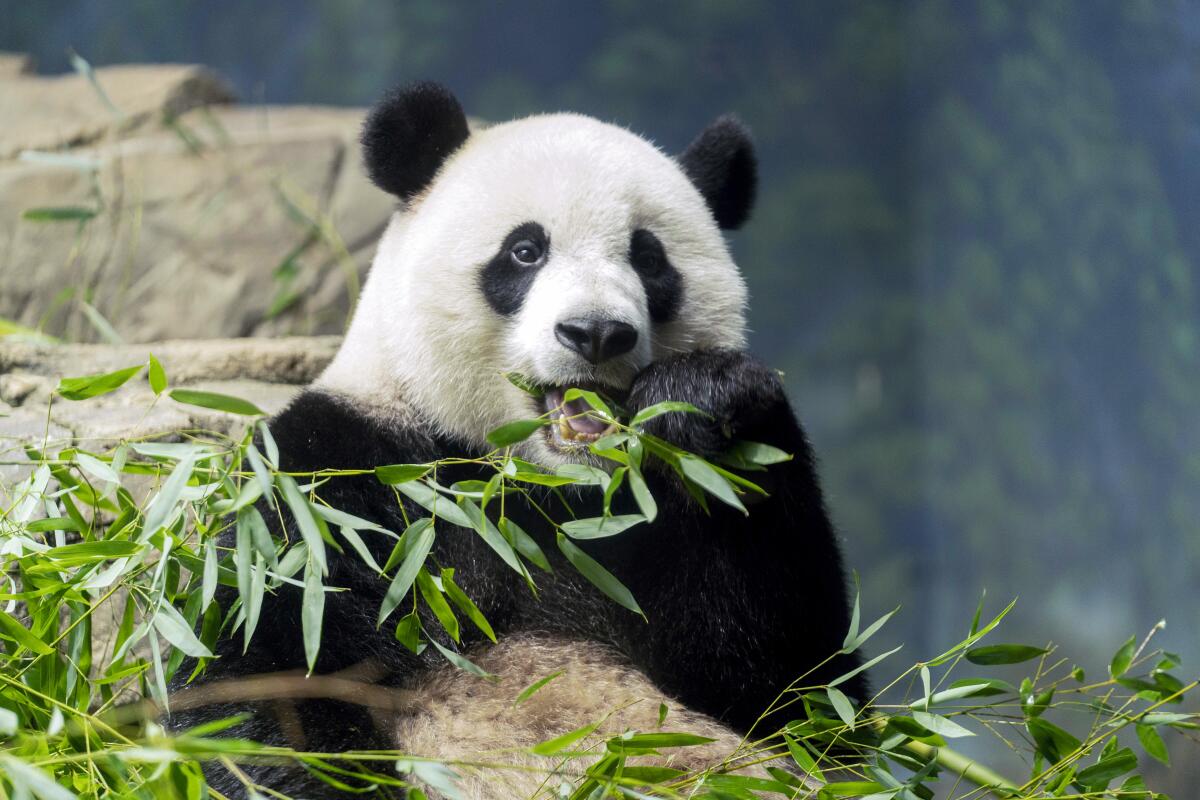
{"x": 739, "y": 606}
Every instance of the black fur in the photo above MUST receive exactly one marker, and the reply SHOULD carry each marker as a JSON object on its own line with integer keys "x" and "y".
{"x": 505, "y": 282}
{"x": 738, "y": 606}
{"x": 662, "y": 282}
{"x": 722, "y": 165}
{"x": 409, "y": 134}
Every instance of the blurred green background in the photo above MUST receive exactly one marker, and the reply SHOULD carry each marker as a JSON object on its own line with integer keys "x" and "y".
{"x": 975, "y": 253}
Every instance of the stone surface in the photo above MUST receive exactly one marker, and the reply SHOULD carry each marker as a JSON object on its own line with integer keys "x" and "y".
{"x": 267, "y": 372}
{"x": 50, "y": 113}
{"x": 14, "y": 64}
{"x": 215, "y": 221}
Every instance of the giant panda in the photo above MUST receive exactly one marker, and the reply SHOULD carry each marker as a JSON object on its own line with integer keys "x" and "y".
{"x": 577, "y": 254}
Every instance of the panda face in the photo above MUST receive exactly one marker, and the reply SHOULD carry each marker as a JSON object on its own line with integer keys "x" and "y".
{"x": 567, "y": 250}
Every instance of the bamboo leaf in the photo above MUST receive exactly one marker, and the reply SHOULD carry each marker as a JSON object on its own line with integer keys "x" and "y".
{"x": 532, "y": 689}
{"x": 1003, "y": 654}
{"x": 312, "y": 612}
{"x": 95, "y": 385}
{"x": 157, "y": 375}
{"x": 601, "y": 578}
{"x": 514, "y": 432}
{"x": 176, "y": 630}
{"x": 419, "y": 537}
{"x": 216, "y": 401}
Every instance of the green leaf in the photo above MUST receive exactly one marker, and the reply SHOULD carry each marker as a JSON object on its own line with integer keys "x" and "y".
{"x": 524, "y": 384}
{"x": 176, "y": 630}
{"x": 654, "y": 741}
{"x": 524, "y": 543}
{"x": 1003, "y": 654}
{"x": 11, "y": 629}
{"x": 658, "y": 409}
{"x": 491, "y": 536}
{"x": 941, "y": 725}
{"x": 441, "y": 507}
{"x": 400, "y": 473}
{"x": 54, "y": 524}
{"x": 514, "y": 432}
{"x": 559, "y": 743}
{"x": 157, "y": 375}
{"x": 858, "y": 789}
{"x": 253, "y": 602}
{"x": 1122, "y": 658}
{"x": 419, "y": 537}
{"x": 437, "y": 603}
{"x": 86, "y": 552}
{"x": 462, "y": 662}
{"x": 530, "y": 690}
{"x": 763, "y": 455}
{"x": 651, "y": 776}
{"x": 312, "y": 613}
{"x": 704, "y": 476}
{"x": 1152, "y": 743}
{"x": 31, "y": 780}
{"x": 542, "y": 479}
{"x": 584, "y": 474}
{"x": 59, "y": 214}
{"x": 804, "y": 760}
{"x": 641, "y": 494}
{"x": 600, "y": 527}
{"x": 302, "y": 513}
{"x": 1052, "y": 741}
{"x": 971, "y": 687}
{"x": 842, "y": 705}
{"x": 95, "y": 385}
{"x": 614, "y": 483}
{"x": 852, "y": 644}
{"x": 1100, "y": 774}
{"x": 211, "y": 574}
{"x": 360, "y": 547}
{"x": 216, "y": 401}
{"x": 843, "y": 678}
{"x": 601, "y": 578}
{"x": 163, "y": 507}
{"x": 408, "y": 632}
{"x": 97, "y": 468}
{"x": 269, "y": 442}
{"x": 465, "y": 604}
{"x": 341, "y": 518}
{"x": 1155, "y": 718}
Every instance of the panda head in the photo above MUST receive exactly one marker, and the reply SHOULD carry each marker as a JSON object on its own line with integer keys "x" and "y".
{"x": 558, "y": 247}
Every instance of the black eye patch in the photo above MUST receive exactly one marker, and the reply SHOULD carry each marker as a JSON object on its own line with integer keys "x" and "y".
{"x": 660, "y": 279}
{"x": 505, "y": 280}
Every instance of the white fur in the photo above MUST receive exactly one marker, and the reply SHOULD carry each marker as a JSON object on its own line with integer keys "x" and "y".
{"x": 423, "y": 332}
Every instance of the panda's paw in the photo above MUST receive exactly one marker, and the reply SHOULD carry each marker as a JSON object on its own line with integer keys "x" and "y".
{"x": 741, "y": 399}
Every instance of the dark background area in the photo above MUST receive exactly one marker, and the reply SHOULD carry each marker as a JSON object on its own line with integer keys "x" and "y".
{"x": 975, "y": 254}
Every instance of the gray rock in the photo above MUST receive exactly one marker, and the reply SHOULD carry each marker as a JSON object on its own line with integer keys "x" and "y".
{"x": 214, "y": 221}
{"x": 267, "y": 372}
{"x": 50, "y": 113}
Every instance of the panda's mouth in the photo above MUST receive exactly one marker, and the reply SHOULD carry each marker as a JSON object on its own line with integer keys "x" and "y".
{"x": 574, "y": 423}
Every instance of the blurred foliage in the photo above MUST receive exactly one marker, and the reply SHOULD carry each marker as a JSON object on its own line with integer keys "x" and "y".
{"x": 974, "y": 255}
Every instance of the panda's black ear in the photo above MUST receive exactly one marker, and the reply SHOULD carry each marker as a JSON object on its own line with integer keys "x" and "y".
{"x": 721, "y": 164}
{"x": 408, "y": 134}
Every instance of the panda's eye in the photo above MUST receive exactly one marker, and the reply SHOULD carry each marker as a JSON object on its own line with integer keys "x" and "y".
{"x": 526, "y": 253}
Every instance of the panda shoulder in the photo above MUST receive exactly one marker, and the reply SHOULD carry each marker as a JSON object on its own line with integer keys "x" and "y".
{"x": 323, "y": 429}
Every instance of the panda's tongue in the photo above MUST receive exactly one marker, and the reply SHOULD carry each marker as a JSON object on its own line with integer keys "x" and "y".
{"x": 579, "y": 420}
{"x": 574, "y": 413}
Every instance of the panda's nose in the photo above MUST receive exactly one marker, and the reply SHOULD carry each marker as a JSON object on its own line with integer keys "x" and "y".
{"x": 597, "y": 340}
